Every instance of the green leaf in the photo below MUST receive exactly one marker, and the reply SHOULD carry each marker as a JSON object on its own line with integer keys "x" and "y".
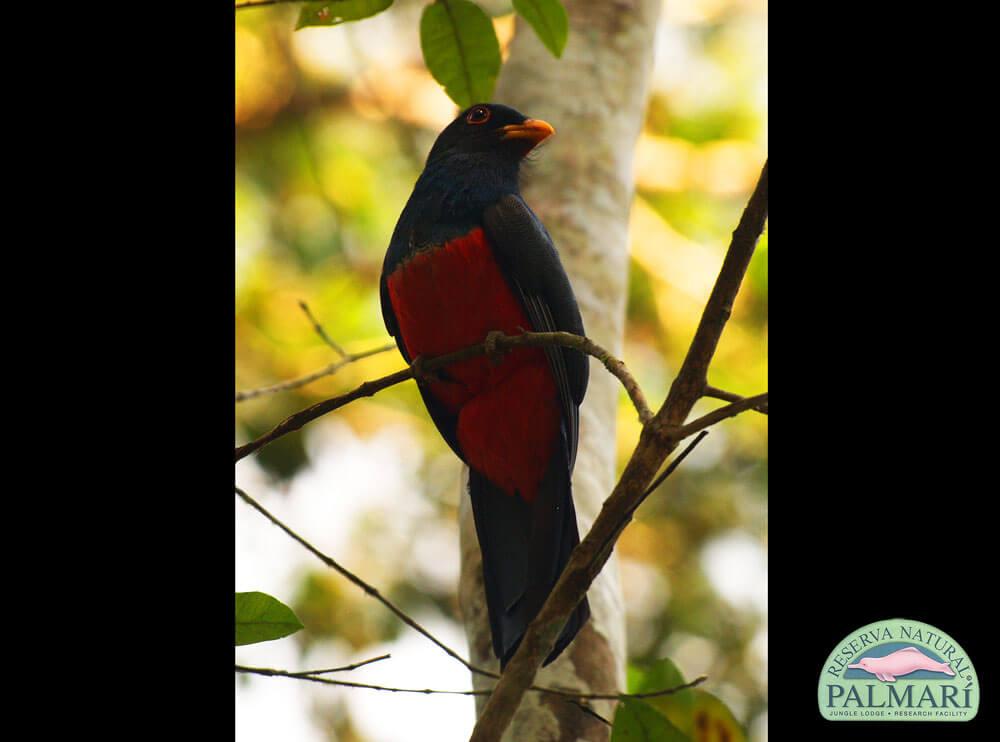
{"x": 661, "y": 675}
{"x": 461, "y": 50}
{"x": 549, "y": 19}
{"x": 711, "y": 719}
{"x": 335, "y": 12}
{"x": 261, "y": 618}
{"x": 636, "y": 721}
{"x": 693, "y": 712}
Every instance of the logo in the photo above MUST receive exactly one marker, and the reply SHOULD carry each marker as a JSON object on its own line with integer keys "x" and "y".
{"x": 898, "y": 670}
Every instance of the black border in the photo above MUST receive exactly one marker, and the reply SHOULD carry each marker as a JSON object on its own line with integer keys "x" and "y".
{"x": 881, "y": 456}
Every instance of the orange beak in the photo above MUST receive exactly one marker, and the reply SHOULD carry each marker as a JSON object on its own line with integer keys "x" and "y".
{"x": 534, "y": 130}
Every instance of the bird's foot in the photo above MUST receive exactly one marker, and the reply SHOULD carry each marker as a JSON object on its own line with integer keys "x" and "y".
{"x": 420, "y": 373}
{"x": 494, "y": 354}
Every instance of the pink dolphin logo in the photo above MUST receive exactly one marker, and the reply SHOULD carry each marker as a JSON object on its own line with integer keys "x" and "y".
{"x": 900, "y": 662}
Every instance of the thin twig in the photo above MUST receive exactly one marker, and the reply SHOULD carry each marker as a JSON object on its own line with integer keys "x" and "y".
{"x": 327, "y": 681}
{"x": 422, "y": 367}
{"x": 715, "y": 393}
{"x": 309, "y": 378}
{"x": 328, "y": 370}
{"x": 654, "y": 693}
{"x": 268, "y": 672}
{"x": 321, "y": 332}
{"x": 345, "y": 668}
{"x": 586, "y": 708}
{"x": 296, "y": 421}
{"x": 670, "y": 469}
{"x": 730, "y": 410}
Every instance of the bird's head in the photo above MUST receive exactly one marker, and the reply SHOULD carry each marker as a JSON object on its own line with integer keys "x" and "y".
{"x": 492, "y": 132}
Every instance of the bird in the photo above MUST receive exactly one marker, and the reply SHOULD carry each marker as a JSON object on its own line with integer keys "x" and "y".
{"x": 469, "y": 257}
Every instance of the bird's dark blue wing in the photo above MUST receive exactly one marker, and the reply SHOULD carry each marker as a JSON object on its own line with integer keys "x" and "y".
{"x": 528, "y": 257}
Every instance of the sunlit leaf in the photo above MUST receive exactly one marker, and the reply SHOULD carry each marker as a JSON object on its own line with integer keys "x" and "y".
{"x": 335, "y": 12}
{"x": 549, "y": 19}
{"x": 261, "y": 618}
{"x": 636, "y": 721}
{"x": 647, "y": 678}
{"x": 460, "y": 49}
{"x": 696, "y": 713}
{"x": 661, "y": 675}
{"x": 711, "y": 719}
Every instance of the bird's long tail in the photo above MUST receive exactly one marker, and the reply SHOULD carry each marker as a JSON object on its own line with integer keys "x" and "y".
{"x": 524, "y": 548}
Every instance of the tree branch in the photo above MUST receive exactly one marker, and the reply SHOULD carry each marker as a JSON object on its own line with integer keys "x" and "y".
{"x": 657, "y": 440}
{"x": 692, "y": 379}
{"x": 730, "y": 410}
{"x": 320, "y": 331}
{"x": 328, "y": 370}
{"x": 349, "y": 684}
{"x": 420, "y": 368}
{"x": 716, "y": 393}
{"x": 669, "y": 470}
{"x": 569, "y": 695}
{"x": 345, "y": 668}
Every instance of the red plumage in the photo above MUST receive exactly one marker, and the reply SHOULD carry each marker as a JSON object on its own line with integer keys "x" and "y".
{"x": 449, "y": 297}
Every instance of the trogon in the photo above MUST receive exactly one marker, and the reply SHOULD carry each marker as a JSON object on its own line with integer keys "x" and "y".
{"x": 468, "y": 257}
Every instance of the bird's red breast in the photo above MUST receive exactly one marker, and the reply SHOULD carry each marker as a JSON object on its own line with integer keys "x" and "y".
{"x": 449, "y": 297}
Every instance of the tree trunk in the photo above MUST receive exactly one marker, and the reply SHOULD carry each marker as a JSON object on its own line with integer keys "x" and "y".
{"x": 581, "y": 188}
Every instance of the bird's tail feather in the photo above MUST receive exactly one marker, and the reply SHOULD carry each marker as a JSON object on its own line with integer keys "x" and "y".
{"x": 524, "y": 548}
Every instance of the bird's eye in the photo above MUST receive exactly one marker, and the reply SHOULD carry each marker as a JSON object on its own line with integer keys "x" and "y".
{"x": 478, "y": 115}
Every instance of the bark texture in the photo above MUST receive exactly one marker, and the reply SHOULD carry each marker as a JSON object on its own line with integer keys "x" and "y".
{"x": 581, "y": 187}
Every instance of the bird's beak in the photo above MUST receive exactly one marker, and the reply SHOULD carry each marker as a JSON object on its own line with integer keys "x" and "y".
{"x": 855, "y": 667}
{"x": 534, "y": 130}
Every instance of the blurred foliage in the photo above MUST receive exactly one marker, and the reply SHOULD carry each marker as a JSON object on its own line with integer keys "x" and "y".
{"x": 325, "y": 605}
{"x": 332, "y": 127}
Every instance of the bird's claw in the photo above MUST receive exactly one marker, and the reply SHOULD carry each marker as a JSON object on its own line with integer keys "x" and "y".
{"x": 494, "y": 354}
{"x": 420, "y": 373}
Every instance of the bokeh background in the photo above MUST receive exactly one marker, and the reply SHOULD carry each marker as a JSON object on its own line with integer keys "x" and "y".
{"x": 332, "y": 127}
